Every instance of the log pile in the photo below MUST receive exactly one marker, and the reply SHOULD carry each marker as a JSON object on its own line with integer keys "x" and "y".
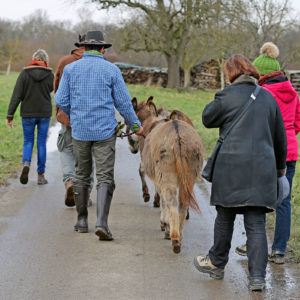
{"x": 145, "y": 77}
{"x": 295, "y": 80}
{"x": 206, "y": 75}
{"x": 203, "y": 76}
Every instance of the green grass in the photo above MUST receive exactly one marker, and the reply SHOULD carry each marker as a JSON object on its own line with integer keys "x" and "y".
{"x": 11, "y": 138}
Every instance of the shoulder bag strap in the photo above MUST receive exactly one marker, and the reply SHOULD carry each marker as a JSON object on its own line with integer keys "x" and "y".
{"x": 242, "y": 112}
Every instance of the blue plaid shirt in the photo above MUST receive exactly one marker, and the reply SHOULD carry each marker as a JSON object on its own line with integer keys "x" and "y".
{"x": 89, "y": 90}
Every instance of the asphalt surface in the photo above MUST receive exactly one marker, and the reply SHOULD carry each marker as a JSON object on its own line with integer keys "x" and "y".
{"x": 41, "y": 257}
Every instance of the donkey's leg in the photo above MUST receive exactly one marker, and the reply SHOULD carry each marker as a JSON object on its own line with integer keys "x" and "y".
{"x": 170, "y": 196}
{"x": 183, "y": 211}
{"x": 164, "y": 218}
{"x": 146, "y": 194}
{"x": 156, "y": 202}
{"x": 187, "y": 214}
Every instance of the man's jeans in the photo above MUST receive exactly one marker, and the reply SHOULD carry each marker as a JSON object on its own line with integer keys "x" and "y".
{"x": 257, "y": 247}
{"x": 42, "y": 132}
{"x": 104, "y": 156}
{"x": 283, "y": 215}
{"x": 65, "y": 148}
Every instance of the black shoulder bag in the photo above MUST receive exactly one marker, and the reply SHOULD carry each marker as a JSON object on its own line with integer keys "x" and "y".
{"x": 208, "y": 170}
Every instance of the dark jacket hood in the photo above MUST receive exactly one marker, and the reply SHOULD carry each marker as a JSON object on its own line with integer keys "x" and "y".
{"x": 38, "y": 73}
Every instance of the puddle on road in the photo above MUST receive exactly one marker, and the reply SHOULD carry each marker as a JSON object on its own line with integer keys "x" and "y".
{"x": 52, "y": 137}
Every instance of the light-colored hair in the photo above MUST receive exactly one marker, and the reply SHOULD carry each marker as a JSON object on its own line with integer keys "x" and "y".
{"x": 41, "y": 54}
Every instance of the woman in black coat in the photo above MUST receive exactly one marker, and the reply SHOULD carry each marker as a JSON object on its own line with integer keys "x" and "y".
{"x": 246, "y": 169}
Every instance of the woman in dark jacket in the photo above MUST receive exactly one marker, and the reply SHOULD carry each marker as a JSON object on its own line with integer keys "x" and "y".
{"x": 246, "y": 169}
{"x": 33, "y": 88}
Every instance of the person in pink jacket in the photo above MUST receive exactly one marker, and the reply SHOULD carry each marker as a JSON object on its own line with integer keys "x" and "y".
{"x": 274, "y": 81}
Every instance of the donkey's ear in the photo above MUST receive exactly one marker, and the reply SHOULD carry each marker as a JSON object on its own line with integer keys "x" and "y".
{"x": 134, "y": 103}
{"x": 150, "y": 99}
{"x": 153, "y": 109}
{"x": 173, "y": 115}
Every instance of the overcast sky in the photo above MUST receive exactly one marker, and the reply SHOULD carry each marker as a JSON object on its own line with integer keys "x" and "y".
{"x": 56, "y": 9}
{"x": 62, "y": 9}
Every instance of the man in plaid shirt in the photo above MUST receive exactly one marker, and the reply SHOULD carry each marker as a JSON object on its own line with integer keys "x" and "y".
{"x": 89, "y": 90}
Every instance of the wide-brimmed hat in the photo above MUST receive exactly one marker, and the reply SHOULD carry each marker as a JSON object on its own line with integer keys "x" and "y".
{"x": 95, "y": 38}
{"x": 81, "y": 38}
{"x": 266, "y": 63}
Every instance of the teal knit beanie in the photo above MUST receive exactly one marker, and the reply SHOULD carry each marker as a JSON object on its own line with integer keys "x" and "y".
{"x": 266, "y": 62}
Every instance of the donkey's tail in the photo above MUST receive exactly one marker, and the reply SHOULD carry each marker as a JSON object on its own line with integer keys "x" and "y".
{"x": 185, "y": 180}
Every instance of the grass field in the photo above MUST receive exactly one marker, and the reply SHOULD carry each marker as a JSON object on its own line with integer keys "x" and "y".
{"x": 190, "y": 103}
{"x": 11, "y": 138}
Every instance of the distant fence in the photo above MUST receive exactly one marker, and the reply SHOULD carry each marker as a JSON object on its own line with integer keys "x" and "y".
{"x": 203, "y": 76}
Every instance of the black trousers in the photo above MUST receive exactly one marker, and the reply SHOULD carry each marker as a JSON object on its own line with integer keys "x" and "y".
{"x": 257, "y": 247}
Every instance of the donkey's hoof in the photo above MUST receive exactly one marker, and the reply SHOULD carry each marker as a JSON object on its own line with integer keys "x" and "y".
{"x": 187, "y": 215}
{"x": 156, "y": 204}
{"x": 146, "y": 197}
{"x": 163, "y": 226}
{"x": 167, "y": 235}
{"x": 176, "y": 246}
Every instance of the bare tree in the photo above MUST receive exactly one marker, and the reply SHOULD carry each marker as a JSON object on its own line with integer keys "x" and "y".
{"x": 262, "y": 20}
{"x": 10, "y": 52}
{"x": 196, "y": 49}
{"x": 163, "y": 26}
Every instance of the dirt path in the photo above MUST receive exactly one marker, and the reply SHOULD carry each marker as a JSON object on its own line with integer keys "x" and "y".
{"x": 42, "y": 258}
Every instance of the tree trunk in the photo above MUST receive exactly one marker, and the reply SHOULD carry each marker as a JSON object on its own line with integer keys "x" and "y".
{"x": 173, "y": 71}
{"x": 187, "y": 78}
{"x": 8, "y": 67}
{"x": 222, "y": 77}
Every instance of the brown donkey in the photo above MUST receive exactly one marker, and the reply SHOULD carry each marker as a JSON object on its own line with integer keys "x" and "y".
{"x": 172, "y": 158}
{"x": 136, "y": 143}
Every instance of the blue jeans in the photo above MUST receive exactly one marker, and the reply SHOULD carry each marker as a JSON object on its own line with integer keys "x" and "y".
{"x": 283, "y": 215}
{"x": 28, "y": 132}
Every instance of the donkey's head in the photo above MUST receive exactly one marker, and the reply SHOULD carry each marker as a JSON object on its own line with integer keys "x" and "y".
{"x": 143, "y": 111}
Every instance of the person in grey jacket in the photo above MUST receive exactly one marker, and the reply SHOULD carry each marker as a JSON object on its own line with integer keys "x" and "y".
{"x": 246, "y": 169}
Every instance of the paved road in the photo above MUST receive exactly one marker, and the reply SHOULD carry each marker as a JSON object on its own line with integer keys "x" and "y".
{"x": 42, "y": 258}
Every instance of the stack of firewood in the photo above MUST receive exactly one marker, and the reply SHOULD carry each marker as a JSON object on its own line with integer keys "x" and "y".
{"x": 204, "y": 76}
{"x": 295, "y": 79}
{"x": 145, "y": 77}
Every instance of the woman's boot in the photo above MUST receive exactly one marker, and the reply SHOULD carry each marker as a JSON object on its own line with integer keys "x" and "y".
{"x": 81, "y": 197}
{"x": 41, "y": 179}
{"x": 25, "y": 172}
{"x": 104, "y": 196}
